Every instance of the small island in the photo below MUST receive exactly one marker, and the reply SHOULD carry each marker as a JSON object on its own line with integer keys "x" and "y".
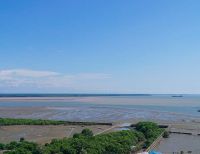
{"x": 177, "y": 95}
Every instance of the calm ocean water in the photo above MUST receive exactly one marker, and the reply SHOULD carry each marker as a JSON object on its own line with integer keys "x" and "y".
{"x": 112, "y": 106}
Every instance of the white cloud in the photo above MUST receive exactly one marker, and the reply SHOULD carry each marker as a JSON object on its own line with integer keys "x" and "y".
{"x": 26, "y": 73}
{"x": 95, "y": 76}
{"x": 47, "y": 79}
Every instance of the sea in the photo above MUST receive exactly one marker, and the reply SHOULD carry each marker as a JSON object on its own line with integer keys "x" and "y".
{"x": 101, "y": 107}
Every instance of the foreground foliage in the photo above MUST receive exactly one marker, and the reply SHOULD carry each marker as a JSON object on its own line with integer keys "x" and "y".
{"x": 150, "y": 130}
{"x": 120, "y": 142}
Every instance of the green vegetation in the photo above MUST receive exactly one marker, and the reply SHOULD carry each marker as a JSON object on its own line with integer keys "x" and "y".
{"x": 120, "y": 142}
{"x": 150, "y": 130}
{"x": 166, "y": 134}
{"x": 11, "y": 121}
{"x": 85, "y": 142}
{"x": 112, "y": 143}
{"x": 22, "y": 147}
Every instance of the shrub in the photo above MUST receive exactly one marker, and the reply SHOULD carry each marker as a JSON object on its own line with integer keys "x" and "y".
{"x": 21, "y": 139}
{"x": 2, "y": 146}
{"x": 87, "y": 132}
{"x": 166, "y": 134}
{"x": 150, "y": 130}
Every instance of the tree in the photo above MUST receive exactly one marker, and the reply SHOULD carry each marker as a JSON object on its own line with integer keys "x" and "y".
{"x": 76, "y": 135}
{"x": 166, "y": 134}
{"x": 21, "y": 139}
{"x": 2, "y": 146}
{"x": 87, "y": 132}
{"x": 182, "y": 152}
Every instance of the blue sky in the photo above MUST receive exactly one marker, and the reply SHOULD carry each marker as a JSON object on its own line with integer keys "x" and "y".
{"x": 100, "y": 46}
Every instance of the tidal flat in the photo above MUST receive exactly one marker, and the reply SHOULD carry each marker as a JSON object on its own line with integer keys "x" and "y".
{"x": 180, "y": 113}
{"x": 103, "y": 108}
{"x": 43, "y": 133}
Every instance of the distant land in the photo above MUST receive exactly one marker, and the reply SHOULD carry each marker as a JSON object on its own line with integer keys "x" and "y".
{"x": 68, "y": 95}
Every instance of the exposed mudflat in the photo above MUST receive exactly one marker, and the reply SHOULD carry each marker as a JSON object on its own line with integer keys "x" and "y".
{"x": 180, "y": 113}
{"x": 43, "y": 134}
{"x": 102, "y": 109}
{"x": 180, "y": 142}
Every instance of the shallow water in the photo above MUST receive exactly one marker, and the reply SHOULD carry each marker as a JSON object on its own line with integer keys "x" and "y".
{"x": 109, "y": 108}
{"x": 180, "y": 142}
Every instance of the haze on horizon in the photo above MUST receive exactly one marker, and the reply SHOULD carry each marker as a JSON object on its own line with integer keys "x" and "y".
{"x": 99, "y": 46}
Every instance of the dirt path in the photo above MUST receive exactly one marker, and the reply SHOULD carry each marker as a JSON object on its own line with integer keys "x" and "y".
{"x": 106, "y": 130}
